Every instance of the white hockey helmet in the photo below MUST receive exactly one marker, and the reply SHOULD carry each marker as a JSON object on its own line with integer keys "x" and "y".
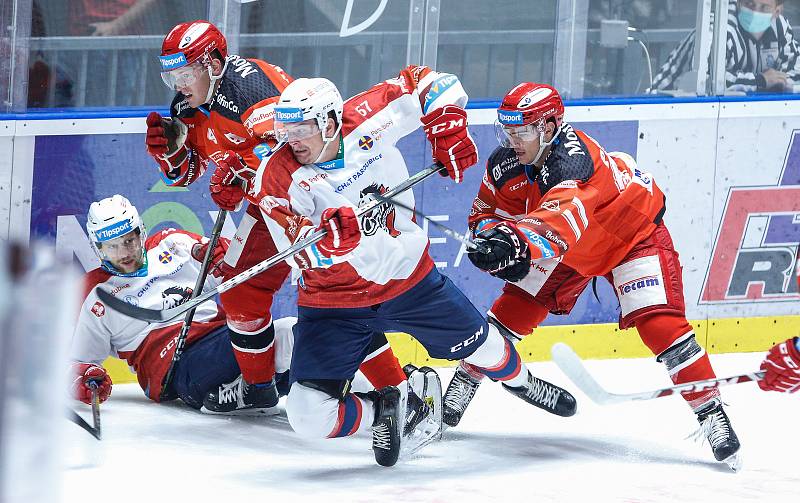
{"x": 109, "y": 219}
{"x": 306, "y": 99}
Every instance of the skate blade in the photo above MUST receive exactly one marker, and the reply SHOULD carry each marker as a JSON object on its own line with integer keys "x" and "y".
{"x": 734, "y": 462}
{"x": 429, "y": 429}
{"x": 254, "y": 412}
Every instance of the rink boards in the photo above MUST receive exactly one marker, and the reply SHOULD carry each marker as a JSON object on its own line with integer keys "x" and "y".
{"x": 730, "y": 169}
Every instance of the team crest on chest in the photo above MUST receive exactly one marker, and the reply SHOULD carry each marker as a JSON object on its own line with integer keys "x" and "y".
{"x": 165, "y": 257}
{"x": 381, "y": 217}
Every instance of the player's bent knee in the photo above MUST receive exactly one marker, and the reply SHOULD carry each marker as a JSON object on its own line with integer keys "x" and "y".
{"x": 311, "y": 412}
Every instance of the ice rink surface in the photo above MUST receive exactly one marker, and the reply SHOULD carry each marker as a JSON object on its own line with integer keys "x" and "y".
{"x": 504, "y": 450}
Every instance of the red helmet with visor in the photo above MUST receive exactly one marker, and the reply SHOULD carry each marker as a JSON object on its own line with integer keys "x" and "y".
{"x": 524, "y": 112}
{"x": 186, "y": 53}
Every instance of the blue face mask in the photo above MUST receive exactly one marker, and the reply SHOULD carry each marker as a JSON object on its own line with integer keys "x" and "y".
{"x": 754, "y": 22}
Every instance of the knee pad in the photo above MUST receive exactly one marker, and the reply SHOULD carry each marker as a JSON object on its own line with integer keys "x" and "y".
{"x": 681, "y": 354}
{"x": 505, "y": 332}
{"x": 311, "y": 412}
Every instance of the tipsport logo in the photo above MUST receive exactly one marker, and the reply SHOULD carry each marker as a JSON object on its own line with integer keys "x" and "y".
{"x": 172, "y": 61}
{"x": 438, "y": 88}
{"x": 116, "y": 230}
{"x": 288, "y": 115}
{"x": 508, "y": 117}
{"x": 754, "y": 256}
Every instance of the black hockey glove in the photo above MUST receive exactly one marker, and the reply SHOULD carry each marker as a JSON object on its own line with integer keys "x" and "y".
{"x": 508, "y": 257}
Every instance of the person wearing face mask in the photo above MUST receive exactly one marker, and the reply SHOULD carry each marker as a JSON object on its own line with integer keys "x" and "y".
{"x": 761, "y": 51}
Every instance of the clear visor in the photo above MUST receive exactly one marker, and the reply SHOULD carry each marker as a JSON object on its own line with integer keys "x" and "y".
{"x": 183, "y": 77}
{"x": 508, "y": 136}
{"x": 295, "y": 131}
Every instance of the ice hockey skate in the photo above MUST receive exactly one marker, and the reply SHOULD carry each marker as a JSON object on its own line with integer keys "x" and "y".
{"x": 459, "y": 394}
{"x": 716, "y": 428}
{"x": 390, "y": 405}
{"x": 546, "y": 396}
{"x": 239, "y": 398}
{"x": 424, "y": 409}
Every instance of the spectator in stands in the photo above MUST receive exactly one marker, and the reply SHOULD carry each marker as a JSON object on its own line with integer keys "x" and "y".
{"x": 761, "y": 52}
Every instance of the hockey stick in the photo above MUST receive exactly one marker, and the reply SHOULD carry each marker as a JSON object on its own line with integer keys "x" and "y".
{"x": 571, "y": 364}
{"x": 155, "y": 315}
{"x": 74, "y": 417}
{"x": 198, "y": 287}
{"x": 447, "y": 230}
{"x": 98, "y": 432}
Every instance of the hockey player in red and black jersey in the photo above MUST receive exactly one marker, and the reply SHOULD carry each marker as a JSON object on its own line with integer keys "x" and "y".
{"x": 223, "y": 113}
{"x": 555, "y": 210}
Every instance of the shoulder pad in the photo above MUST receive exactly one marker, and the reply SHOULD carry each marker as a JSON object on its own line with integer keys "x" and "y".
{"x": 503, "y": 165}
{"x": 243, "y": 85}
{"x": 569, "y": 160}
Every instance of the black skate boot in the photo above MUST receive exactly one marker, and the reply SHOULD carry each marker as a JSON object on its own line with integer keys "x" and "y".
{"x": 459, "y": 393}
{"x": 240, "y": 398}
{"x": 716, "y": 428}
{"x": 388, "y": 424}
{"x": 546, "y": 396}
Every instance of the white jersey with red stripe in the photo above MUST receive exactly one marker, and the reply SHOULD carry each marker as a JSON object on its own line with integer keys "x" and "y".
{"x": 148, "y": 348}
{"x": 393, "y": 253}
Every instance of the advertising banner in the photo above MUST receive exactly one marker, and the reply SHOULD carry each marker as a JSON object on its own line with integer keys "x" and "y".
{"x": 732, "y": 180}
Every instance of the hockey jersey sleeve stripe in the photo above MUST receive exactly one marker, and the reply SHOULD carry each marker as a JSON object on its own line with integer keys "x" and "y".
{"x": 581, "y": 211}
{"x": 572, "y": 224}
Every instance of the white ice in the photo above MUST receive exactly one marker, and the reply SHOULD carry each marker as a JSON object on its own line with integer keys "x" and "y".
{"x": 504, "y": 450}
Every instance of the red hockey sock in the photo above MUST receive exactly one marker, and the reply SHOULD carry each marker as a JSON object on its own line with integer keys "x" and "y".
{"x": 696, "y": 369}
{"x": 381, "y": 367}
{"x": 255, "y": 354}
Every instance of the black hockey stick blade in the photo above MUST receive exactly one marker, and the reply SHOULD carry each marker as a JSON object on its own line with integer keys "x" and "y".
{"x": 160, "y": 316}
{"x": 77, "y": 419}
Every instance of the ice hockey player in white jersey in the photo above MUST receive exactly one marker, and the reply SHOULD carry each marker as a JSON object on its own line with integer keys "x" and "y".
{"x": 371, "y": 272}
{"x": 160, "y": 272}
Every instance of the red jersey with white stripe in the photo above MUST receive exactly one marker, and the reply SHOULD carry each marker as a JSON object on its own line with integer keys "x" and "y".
{"x": 393, "y": 253}
{"x": 148, "y": 348}
{"x": 239, "y": 117}
{"x": 585, "y": 205}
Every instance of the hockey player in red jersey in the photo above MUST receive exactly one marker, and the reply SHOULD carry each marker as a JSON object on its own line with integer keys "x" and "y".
{"x": 160, "y": 272}
{"x": 373, "y": 271}
{"x": 555, "y": 210}
{"x": 222, "y": 113}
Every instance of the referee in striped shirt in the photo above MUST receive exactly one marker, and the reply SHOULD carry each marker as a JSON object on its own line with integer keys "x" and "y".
{"x": 762, "y": 53}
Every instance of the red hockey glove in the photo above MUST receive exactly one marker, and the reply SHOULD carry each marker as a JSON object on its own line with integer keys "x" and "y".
{"x": 230, "y": 180}
{"x": 446, "y": 129}
{"x": 217, "y": 266}
{"x": 87, "y": 375}
{"x": 165, "y": 141}
{"x": 782, "y": 366}
{"x": 343, "y": 231}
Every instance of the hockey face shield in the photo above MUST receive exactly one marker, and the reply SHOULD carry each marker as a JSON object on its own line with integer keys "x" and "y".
{"x": 295, "y": 131}
{"x": 509, "y": 136}
{"x": 183, "y": 76}
{"x": 123, "y": 255}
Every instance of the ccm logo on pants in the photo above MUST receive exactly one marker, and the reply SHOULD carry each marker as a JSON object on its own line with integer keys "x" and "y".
{"x": 466, "y": 342}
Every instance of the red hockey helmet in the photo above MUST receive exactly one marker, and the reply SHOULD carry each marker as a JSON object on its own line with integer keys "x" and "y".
{"x": 187, "y": 44}
{"x": 530, "y": 103}
{"x": 524, "y": 112}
